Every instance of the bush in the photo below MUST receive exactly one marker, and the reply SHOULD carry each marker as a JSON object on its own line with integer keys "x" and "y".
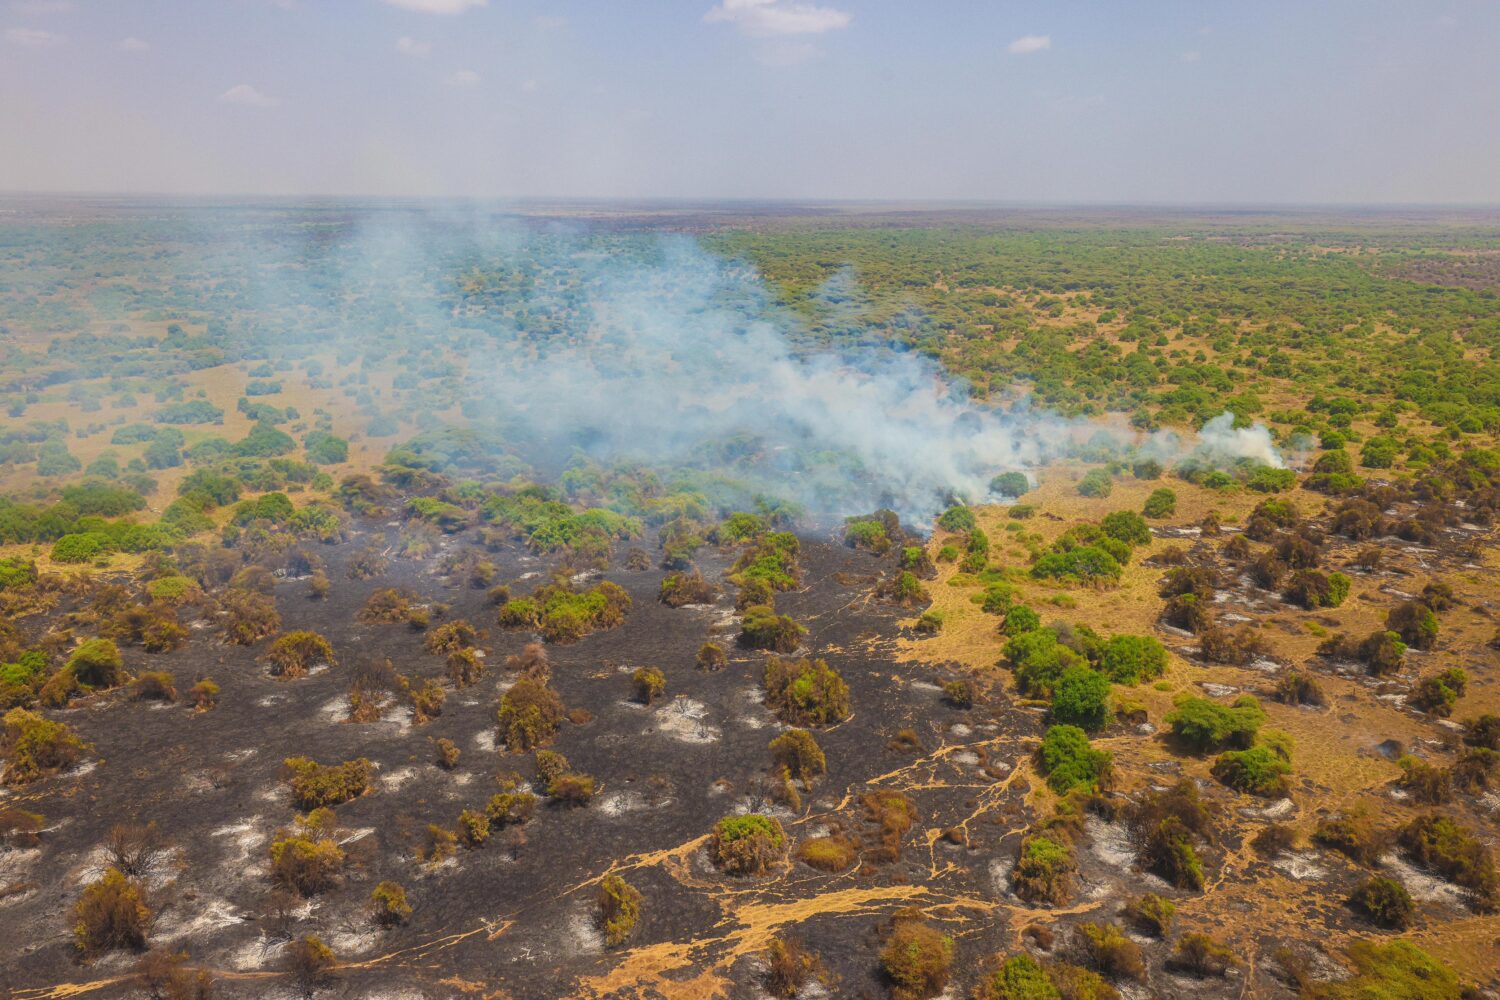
{"x": 389, "y": 905}
{"x": 1081, "y": 698}
{"x": 789, "y": 968}
{"x": 316, "y": 786}
{"x": 1106, "y": 948}
{"x": 763, "y": 628}
{"x": 1297, "y": 688}
{"x": 748, "y": 844}
{"x": 830, "y": 854}
{"x": 1126, "y": 526}
{"x": 958, "y": 520}
{"x": 1353, "y": 834}
{"x": 153, "y": 685}
{"x": 1010, "y": 484}
{"x": 112, "y": 913}
{"x": 681, "y": 589}
{"x": 1130, "y": 659}
{"x": 1237, "y": 647}
{"x": 571, "y": 789}
{"x": 1424, "y": 782}
{"x": 1018, "y": 978}
{"x": 204, "y": 695}
{"x": 1019, "y": 619}
{"x": 647, "y": 684}
{"x": 528, "y": 715}
{"x": 293, "y": 654}
{"x": 1068, "y": 762}
{"x": 1385, "y": 902}
{"x": 1202, "y": 956}
{"x": 1438, "y": 843}
{"x": 1086, "y": 564}
{"x": 1152, "y": 913}
{"x": 711, "y": 657}
{"x": 1257, "y": 771}
{"x": 1395, "y": 969}
{"x": 310, "y": 963}
{"x": 36, "y": 746}
{"x": 1161, "y": 503}
{"x": 1045, "y": 868}
{"x": 96, "y": 664}
{"x": 959, "y": 693}
{"x": 1205, "y": 725}
{"x": 798, "y": 753}
{"x": 917, "y": 959}
{"x": 1096, "y": 483}
{"x": 1164, "y": 825}
{"x": 805, "y": 692}
{"x": 1415, "y": 623}
{"x": 305, "y": 865}
{"x": 619, "y": 909}
{"x": 1311, "y": 589}
{"x": 1438, "y": 693}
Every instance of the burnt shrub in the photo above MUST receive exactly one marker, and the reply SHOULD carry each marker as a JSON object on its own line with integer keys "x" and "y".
{"x": 19, "y": 828}
{"x": 473, "y": 828}
{"x": 447, "y": 753}
{"x": 681, "y": 589}
{"x": 571, "y": 789}
{"x": 1236, "y": 647}
{"x": 1200, "y": 955}
{"x": 248, "y": 616}
{"x": 165, "y": 975}
{"x": 35, "y": 746}
{"x": 1476, "y": 770}
{"x": 1385, "y": 902}
{"x": 1414, "y": 622}
{"x": 619, "y": 909}
{"x": 959, "y": 693}
{"x": 1354, "y": 835}
{"x": 1382, "y": 652}
{"x": 136, "y": 849}
{"x": 1188, "y": 580}
{"x": 1438, "y": 843}
{"x": 531, "y": 661}
{"x": 1483, "y": 731}
{"x": 917, "y": 959}
{"x": 317, "y": 785}
{"x": 1165, "y": 826}
{"x": 1297, "y": 688}
{"x": 797, "y": 751}
{"x": 306, "y": 864}
{"x": 464, "y": 668}
{"x": 711, "y": 657}
{"x": 763, "y": 628}
{"x": 528, "y": 715}
{"x": 1274, "y": 840}
{"x": 111, "y": 913}
{"x": 1152, "y": 914}
{"x": 1106, "y": 948}
{"x": 647, "y": 684}
{"x": 1311, "y": 589}
{"x": 310, "y": 964}
{"x": 451, "y": 637}
{"x": 892, "y": 814}
{"x": 789, "y": 967}
{"x": 1045, "y": 867}
{"x": 388, "y": 904}
{"x": 510, "y": 807}
{"x": 748, "y": 844}
{"x": 805, "y": 692}
{"x": 153, "y": 685}
{"x": 294, "y": 654}
{"x": 204, "y": 695}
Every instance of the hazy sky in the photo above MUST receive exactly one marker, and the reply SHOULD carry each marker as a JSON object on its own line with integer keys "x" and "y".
{"x": 1244, "y": 101}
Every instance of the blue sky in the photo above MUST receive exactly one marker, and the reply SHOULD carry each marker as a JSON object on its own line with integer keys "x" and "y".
{"x": 1351, "y": 101}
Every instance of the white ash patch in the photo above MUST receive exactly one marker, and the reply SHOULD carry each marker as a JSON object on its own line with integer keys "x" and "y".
{"x": 352, "y": 941}
{"x": 1000, "y": 870}
{"x": 1422, "y": 885}
{"x": 244, "y": 754}
{"x": 272, "y": 700}
{"x": 965, "y": 758}
{"x": 1234, "y": 616}
{"x": 1276, "y": 810}
{"x": 1265, "y": 665}
{"x": 1218, "y": 690}
{"x": 1173, "y": 630}
{"x": 484, "y": 741}
{"x": 751, "y": 722}
{"x": 1110, "y": 843}
{"x": 15, "y": 863}
{"x": 960, "y": 730}
{"x": 1300, "y": 865}
{"x": 254, "y": 954}
{"x": 620, "y": 803}
{"x": 683, "y": 719}
{"x": 584, "y": 933}
{"x": 924, "y": 686}
{"x": 243, "y": 837}
{"x": 755, "y": 695}
{"x": 210, "y": 915}
{"x": 334, "y": 709}
{"x": 397, "y": 778}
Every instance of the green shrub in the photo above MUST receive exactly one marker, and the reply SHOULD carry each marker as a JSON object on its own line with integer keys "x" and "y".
{"x": 1393, "y": 970}
{"x": 647, "y": 684}
{"x": 1130, "y": 659}
{"x": 1010, "y": 484}
{"x": 317, "y": 785}
{"x": 1206, "y": 725}
{"x": 1126, "y": 526}
{"x": 748, "y": 844}
{"x": 1152, "y": 913}
{"x": 293, "y": 654}
{"x": 81, "y": 547}
{"x": 1081, "y": 698}
{"x": 957, "y": 520}
{"x": 763, "y": 628}
{"x": 389, "y": 905}
{"x": 1068, "y": 762}
{"x": 1018, "y": 978}
{"x": 1096, "y": 483}
{"x": 1257, "y": 771}
{"x": 35, "y": 746}
{"x": 1161, "y": 503}
{"x": 797, "y": 751}
{"x": 1020, "y": 619}
{"x": 528, "y": 715}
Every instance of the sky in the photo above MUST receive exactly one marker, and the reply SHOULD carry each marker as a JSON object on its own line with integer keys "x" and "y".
{"x": 1058, "y": 101}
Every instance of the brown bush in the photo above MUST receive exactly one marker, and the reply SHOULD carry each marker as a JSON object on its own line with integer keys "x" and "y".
{"x": 1106, "y": 948}
{"x": 136, "y": 850}
{"x": 248, "y": 616}
{"x": 465, "y": 667}
{"x": 19, "y": 828}
{"x": 917, "y": 959}
{"x": 204, "y": 695}
{"x": 294, "y": 654}
{"x": 310, "y": 964}
{"x": 647, "y": 684}
{"x": 528, "y": 715}
{"x": 153, "y": 685}
{"x": 315, "y": 785}
{"x": 1202, "y": 956}
{"x": 1236, "y": 648}
{"x": 112, "y": 913}
{"x": 1297, "y": 688}
{"x": 447, "y": 753}
{"x": 451, "y": 637}
{"x": 1354, "y": 834}
{"x": 711, "y": 657}
{"x": 790, "y": 967}
{"x": 306, "y": 865}
{"x": 531, "y": 661}
{"x": 165, "y": 975}
{"x": 681, "y": 589}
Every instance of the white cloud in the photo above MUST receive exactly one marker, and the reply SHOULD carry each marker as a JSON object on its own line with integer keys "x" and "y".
{"x": 529, "y": 86}
{"x": 32, "y": 38}
{"x": 412, "y": 47}
{"x": 765, "y": 18}
{"x": 1192, "y": 55}
{"x": 247, "y": 96}
{"x": 1027, "y": 44}
{"x": 133, "y": 44}
{"x": 437, "y": 6}
{"x": 464, "y": 78}
{"x": 547, "y": 22}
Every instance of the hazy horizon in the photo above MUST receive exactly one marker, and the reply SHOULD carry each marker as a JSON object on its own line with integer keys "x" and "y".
{"x": 1345, "y": 104}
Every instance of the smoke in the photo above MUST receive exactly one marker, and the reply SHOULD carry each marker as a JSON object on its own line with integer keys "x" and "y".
{"x": 646, "y": 348}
